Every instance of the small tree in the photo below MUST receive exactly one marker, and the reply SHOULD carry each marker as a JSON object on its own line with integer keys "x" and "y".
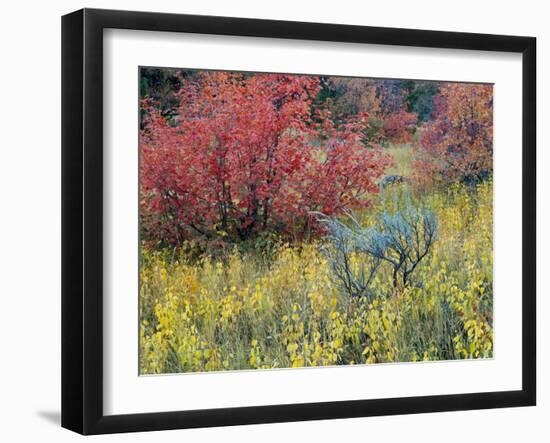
{"x": 401, "y": 239}
{"x": 247, "y": 154}
{"x": 353, "y": 276}
{"x": 457, "y": 143}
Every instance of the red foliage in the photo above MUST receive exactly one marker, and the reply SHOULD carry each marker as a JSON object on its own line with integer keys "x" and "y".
{"x": 399, "y": 126}
{"x": 246, "y": 154}
{"x": 458, "y": 143}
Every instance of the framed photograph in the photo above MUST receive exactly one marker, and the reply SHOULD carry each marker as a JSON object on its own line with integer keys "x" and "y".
{"x": 269, "y": 221}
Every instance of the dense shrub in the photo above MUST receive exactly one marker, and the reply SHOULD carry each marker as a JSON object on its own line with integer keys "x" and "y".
{"x": 390, "y": 105}
{"x": 247, "y": 153}
{"x": 457, "y": 144}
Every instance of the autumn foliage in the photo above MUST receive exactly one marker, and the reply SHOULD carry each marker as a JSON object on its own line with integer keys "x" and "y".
{"x": 399, "y": 126}
{"x": 247, "y": 154}
{"x": 383, "y": 102}
{"x": 457, "y": 144}
{"x": 265, "y": 242}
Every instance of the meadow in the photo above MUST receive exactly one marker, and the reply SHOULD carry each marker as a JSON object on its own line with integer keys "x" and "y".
{"x": 247, "y": 312}
{"x": 269, "y": 296}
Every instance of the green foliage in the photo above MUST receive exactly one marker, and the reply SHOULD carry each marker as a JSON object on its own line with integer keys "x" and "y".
{"x": 419, "y": 97}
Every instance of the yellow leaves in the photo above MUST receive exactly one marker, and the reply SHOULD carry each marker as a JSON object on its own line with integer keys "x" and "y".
{"x": 291, "y": 314}
{"x": 292, "y": 348}
{"x": 387, "y": 324}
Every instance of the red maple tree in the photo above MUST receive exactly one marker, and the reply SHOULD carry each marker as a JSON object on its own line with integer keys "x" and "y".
{"x": 246, "y": 153}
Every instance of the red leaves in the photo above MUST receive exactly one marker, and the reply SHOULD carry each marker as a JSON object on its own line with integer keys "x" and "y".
{"x": 458, "y": 143}
{"x": 246, "y": 154}
{"x": 399, "y": 126}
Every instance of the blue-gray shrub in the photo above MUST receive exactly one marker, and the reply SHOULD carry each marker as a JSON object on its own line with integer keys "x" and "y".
{"x": 401, "y": 239}
{"x": 342, "y": 243}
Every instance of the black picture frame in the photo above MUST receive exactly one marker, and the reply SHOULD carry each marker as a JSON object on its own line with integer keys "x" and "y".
{"x": 82, "y": 218}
